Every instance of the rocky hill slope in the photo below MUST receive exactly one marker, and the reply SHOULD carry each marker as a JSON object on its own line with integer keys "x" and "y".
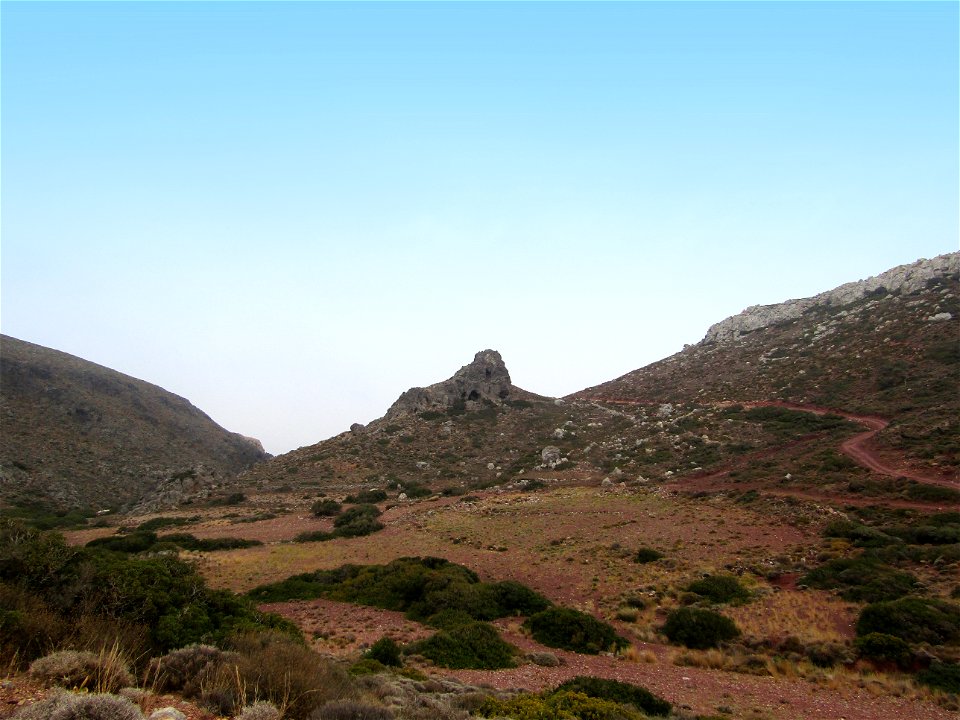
{"x": 886, "y": 346}
{"x": 73, "y": 433}
{"x": 738, "y": 405}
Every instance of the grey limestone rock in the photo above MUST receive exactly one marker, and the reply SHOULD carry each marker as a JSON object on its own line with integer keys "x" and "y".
{"x": 904, "y": 279}
{"x": 485, "y": 379}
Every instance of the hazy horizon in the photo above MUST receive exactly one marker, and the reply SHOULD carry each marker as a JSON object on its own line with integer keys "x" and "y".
{"x": 290, "y": 213}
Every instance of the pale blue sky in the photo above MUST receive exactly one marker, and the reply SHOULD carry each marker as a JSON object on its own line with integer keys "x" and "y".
{"x": 291, "y": 213}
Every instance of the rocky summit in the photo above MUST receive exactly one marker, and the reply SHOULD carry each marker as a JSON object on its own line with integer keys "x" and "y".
{"x": 485, "y": 379}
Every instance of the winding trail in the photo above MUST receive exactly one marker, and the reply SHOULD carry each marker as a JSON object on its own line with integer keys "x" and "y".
{"x": 856, "y": 447}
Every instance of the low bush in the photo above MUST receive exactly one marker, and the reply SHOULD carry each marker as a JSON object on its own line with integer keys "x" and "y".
{"x": 106, "y": 672}
{"x": 941, "y": 675}
{"x": 325, "y": 508}
{"x": 189, "y": 542}
{"x": 313, "y": 536}
{"x": 259, "y": 711}
{"x": 861, "y": 579}
{"x": 719, "y": 589}
{"x": 618, "y": 692}
{"x": 883, "y": 647}
{"x": 366, "y": 497}
{"x": 357, "y": 521}
{"x": 913, "y": 619}
{"x": 698, "y": 628}
{"x": 416, "y": 490}
{"x": 420, "y": 587}
{"x": 276, "y": 668}
{"x": 570, "y": 629}
{"x": 134, "y": 543}
{"x": 70, "y": 706}
{"x": 386, "y": 651}
{"x": 476, "y": 646}
{"x": 647, "y": 555}
{"x": 561, "y": 705}
{"x": 350, "y": 710}
{"x": 186, "y": 670}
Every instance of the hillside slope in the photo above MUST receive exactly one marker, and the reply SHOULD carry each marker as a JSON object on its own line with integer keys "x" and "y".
{"x": 887, "y": 347}
{"x": 73, "y": 433}
{"x": 853, "y": 392}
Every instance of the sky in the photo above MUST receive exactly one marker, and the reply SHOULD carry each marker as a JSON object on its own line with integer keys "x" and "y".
{"x": 290, "y": 213}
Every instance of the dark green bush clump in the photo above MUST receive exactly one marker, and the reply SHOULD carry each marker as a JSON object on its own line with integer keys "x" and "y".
{"x": 416, "y": 490}
{"x": 647, "y": 555}
{"x": 913, "y": 619}
{"x": 570, "y": 629}
{"x": 560, "y": 705}
{"x": 618, "y": 692}
{"x": 719, "y": 589}
{"x": 135, "y": 543}
{"x": 313, "y": 536}
{"x": 162, "y": 596}
{"x": 887, "y": 648}
{"x": 420, "y": 587}
{"x": 325, "y": 508}
{"x": 158, "y": 523}
{"x": 366, "y": 497}
{"x": 386, "y": 651}
{"x": 698, "y": 628}
{"x": 477, "y": 646}
{"x": 189, "y": 542}
{"x": 941, "y": 675}
{"x": 139, "y": 542}
{"x": 357, "y": 521}
{"x": 861, "y": 579}
{"x": 785, "y": 423}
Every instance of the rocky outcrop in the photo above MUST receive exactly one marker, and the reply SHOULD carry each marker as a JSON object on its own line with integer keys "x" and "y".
{"x": 903, "y": 279}
{"x": 485, "y": 379}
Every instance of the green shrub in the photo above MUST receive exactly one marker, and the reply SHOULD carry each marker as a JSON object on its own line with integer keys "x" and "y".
{"x": 913, "y": 619}
{"x": 562, "y": 705}
{"x": 158, "y": 523}
{"x": 367, "y": 497}
{"x": 880, "y": 646}
{"x": 861, "y": 579}
{"x": 477, "y": 646}
{"x": 719, "y": 589}
{"x": 386, "y": 651}
{"x": 416, "y": 490}
{"x": 313, "y": 536}
{"x": 189, "y": 542}
{"x": 647, "y": 555}
{"x": 420, "y": 587}
{"x": 185, "y": 670}
{"x": 134, "y": 543}
{"x": 325, "y": 508}
{"x": 698, "y": 628}
{"x": 941, "y": 675}
{"x": 570, "y": 629}
{"x": 618, "y": 692}
{"x": 357, "y": 521}
{"x": 162, "y": 594}
{"x": 859, "y": 535}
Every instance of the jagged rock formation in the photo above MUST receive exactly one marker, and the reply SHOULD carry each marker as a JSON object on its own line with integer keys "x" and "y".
{"x": 485, "y": 379}
{"x": 73, "y": 433}
{"x": 903, "y": 279}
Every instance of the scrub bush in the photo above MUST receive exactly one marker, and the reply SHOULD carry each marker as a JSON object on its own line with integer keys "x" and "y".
{"x": 719, "y": 589}
{"x": 569, "y": 629}
{"x": 618, "y": 692}
{"x": 698, "y": 628}
{"x": 913, "y": 619}
{"x": 476, "y": 646}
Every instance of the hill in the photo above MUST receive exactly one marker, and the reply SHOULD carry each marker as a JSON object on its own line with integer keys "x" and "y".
{"x": 80, "y": 435}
